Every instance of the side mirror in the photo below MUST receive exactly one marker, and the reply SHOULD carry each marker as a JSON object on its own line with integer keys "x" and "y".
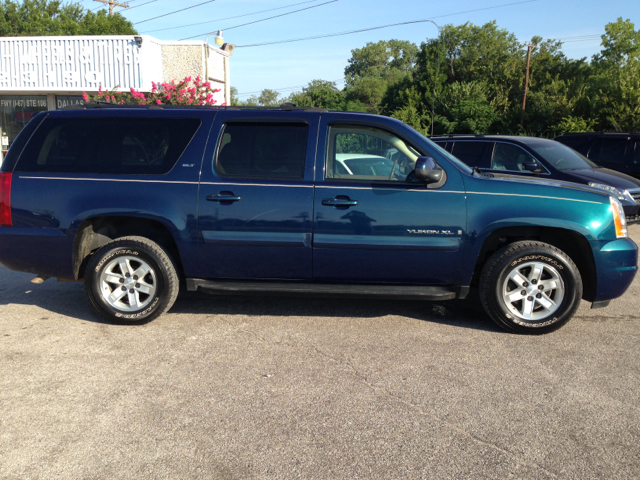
{"x": 532, "y": 167}
{"x": 427, "y": 170}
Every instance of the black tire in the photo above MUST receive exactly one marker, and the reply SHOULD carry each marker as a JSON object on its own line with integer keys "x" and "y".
{"x": 526, "y": 307}
{"x": 147, "y": 297}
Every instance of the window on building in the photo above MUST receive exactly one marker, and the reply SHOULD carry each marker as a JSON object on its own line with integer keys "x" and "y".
{"x": 108, "y": 145}
{"x": 16, "y": 111}
{"x": 262, "y": 150}
{"x": 67, "y": 100}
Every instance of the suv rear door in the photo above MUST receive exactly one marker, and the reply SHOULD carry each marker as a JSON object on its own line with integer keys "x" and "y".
{"x": 612, "y": 153}
{"x": 256, "y": 196}
{"x": 371, "y": 223}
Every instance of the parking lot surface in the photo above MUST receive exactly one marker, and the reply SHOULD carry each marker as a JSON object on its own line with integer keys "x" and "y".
{"x": 275, "y": 387}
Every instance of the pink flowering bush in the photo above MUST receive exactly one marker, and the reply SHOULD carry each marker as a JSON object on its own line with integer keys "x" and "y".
{"x": 184, "y": 92}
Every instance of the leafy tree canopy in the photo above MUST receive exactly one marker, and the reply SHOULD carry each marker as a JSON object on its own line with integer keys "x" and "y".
{"x": 46, "y": 17}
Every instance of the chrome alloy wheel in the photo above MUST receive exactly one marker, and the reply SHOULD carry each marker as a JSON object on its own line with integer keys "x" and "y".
{"x": 128, "y": 283}
{"x": 533, "y": 291}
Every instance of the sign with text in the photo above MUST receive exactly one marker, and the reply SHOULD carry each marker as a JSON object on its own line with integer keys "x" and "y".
{"x": 69, "y": 63}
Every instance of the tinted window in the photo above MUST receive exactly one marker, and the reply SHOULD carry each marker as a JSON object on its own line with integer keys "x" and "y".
{"x": 580, "y": 143}
{"x": 510, "y": 157}
{"x": 560, "y": 156}
{"x": 366, "y": 153}
{"x": 608, "y": 150}
{"x": 108, "y": 145}
{"x": 636, "y": 154}
{"x": 262, "y": 150}
{"x": 474, "y": 154}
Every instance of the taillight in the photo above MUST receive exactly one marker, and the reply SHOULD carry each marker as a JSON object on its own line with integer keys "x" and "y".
{"x": 5, "y": 199}
{"x": 619, "y": 220}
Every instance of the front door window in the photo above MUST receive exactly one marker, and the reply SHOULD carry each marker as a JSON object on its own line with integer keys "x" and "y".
{"x": 368, "y": 154}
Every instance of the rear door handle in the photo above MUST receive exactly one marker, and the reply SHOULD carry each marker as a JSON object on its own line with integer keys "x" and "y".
{"x": 339, "y": 202}
{"x": 224, "y": 197}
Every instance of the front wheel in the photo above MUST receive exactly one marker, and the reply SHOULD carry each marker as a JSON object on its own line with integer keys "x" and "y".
{"x": 131, "y": 280}
{"x": 530, "y": 287}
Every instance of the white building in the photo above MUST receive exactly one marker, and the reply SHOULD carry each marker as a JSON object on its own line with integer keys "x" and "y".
{"x": 48, "y": 73}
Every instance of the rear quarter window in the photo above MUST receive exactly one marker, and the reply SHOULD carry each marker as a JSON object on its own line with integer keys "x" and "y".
{"x": 113, "y": 145}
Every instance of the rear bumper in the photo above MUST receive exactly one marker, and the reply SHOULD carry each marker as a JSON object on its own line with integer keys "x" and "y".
{"x": 616, "y": 266}
{"x": 41, "y": 251}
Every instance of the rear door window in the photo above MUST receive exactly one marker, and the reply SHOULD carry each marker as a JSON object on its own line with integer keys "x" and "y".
{"x": 262, "y": 150}
{"x": 609, "y": 150}
{"x": 108, "y": 145}
{"x": 474, "y": 154}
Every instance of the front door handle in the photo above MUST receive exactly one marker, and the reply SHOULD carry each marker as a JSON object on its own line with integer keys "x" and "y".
{"x": 339, "y": 202}
{"x": 224, "y": 197}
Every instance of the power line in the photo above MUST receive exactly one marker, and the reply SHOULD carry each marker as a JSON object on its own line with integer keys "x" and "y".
{"x": 142, "y": 4}
{"x": 380, "y": 27}
{"x": 264, "y": 19}
{"x": 340, "y": 80}
{"x": 228, "y": 18}
{"x": 177, "y": 11}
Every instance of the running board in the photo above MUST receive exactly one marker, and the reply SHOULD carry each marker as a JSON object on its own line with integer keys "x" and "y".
{"x": 353, "y": 290}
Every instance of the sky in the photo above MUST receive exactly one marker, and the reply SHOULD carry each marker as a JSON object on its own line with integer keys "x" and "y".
{"x": 287, "y": 67}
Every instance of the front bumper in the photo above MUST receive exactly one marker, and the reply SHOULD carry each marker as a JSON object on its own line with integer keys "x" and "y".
{"x": 616, "y": 266}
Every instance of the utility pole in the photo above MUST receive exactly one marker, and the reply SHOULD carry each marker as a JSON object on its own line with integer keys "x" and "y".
{"x": 113, "y": 3}
{"x": 435, "y": 83}
{"x": 526, "y": 84}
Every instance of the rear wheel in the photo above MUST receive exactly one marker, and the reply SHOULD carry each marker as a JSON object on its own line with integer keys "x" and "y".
{"x": 131, "y": 280}
{"x": 530, "y": 287}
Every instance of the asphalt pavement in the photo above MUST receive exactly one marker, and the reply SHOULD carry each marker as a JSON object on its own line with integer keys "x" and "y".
{"x": 279, "y": 388}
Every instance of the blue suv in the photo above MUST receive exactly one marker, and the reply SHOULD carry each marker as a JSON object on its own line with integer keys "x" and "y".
{"x": 139, "y": 200}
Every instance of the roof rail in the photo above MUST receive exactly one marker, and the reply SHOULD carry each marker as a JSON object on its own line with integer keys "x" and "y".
{"x": 102, "y": 104}
{"x": 601, "y": 133}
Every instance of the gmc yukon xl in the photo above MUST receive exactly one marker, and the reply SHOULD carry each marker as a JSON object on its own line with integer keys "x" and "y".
{"x": 139, "y": 200}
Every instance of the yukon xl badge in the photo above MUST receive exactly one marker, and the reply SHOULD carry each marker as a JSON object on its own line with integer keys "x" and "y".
{"x": 435, "y": 232}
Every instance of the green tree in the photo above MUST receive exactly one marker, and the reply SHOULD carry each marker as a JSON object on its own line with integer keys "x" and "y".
{"x": 371, "y": 70}
{"x": 319, "y": 93}
{"x": 269, "y": 98}
{"x": 45, "y": 17}
{"x": 615, "y": 85}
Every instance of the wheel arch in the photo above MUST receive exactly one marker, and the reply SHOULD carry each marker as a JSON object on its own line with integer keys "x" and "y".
{"x": 572, "y": 243}
{"x": 95, "y": 232}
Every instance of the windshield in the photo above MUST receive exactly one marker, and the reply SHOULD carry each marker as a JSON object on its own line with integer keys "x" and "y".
{"x": 562, "y": 157}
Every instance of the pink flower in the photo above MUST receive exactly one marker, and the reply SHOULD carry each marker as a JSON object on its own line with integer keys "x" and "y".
{"x": 85, "y": 97}
{"x": 158, "y": 102}
{"x": 223, "y": 104}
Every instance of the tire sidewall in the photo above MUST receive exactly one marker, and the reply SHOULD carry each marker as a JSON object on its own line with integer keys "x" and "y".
{"x": 99, "y": 262}
{"x": 572, "y": 290}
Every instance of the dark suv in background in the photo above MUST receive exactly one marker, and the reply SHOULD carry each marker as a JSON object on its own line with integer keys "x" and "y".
{"x": 615, "y": 150}
{"x": 542, "y": 158}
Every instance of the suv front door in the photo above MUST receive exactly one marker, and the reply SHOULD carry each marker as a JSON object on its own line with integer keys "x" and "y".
{"x": 256, "y": 196}
{"x": 372, "y": 223}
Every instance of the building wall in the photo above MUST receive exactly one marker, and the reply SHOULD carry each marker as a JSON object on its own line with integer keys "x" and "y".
{"x": 180, "y": 61}
{"x": 47, "y": 73}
